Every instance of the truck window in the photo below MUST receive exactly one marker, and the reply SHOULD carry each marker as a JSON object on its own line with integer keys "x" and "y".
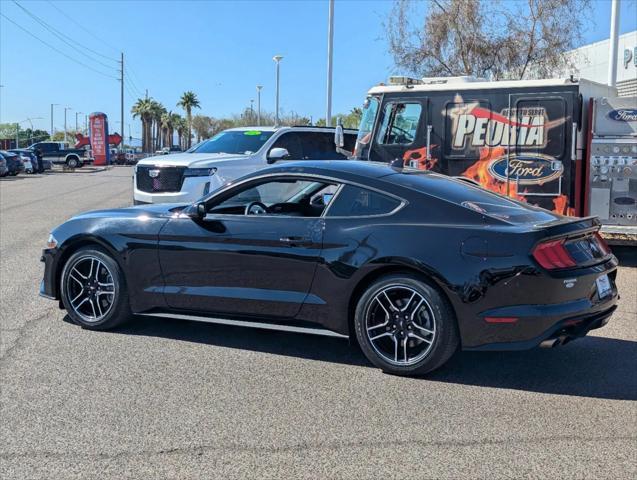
{"x": 400, "y": 123}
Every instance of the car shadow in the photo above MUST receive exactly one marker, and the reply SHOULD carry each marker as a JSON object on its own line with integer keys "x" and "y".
{"x": 627, "y": 255}
{"x": 595, "y": 367}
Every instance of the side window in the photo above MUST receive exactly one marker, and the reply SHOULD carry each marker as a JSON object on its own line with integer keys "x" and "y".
{"x": 290, "y": 197}
{"x": 358, "y": 202}
{"x": 319, "y": 146}
{"x": 292, "y": 143}
{"x": 400, "y": 123}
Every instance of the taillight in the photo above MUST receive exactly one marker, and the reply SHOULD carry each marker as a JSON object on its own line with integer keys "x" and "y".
{"x": 552, "y": 255}
{"x": 601, "y": 243}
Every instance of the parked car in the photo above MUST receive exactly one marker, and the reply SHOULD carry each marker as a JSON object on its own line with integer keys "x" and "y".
{"x": 187, "y": 176}
{"x": 14, "y": 163}
{"x": 4, "y": 171}
{"x": 60, "y": 153}
{"x": 410, "y": 264}
{"x": 30, "y": 159}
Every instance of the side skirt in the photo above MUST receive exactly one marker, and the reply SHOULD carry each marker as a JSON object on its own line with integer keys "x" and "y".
{"x": 242, "y": 323}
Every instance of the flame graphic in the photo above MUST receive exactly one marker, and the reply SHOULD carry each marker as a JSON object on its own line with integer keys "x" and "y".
{"x": 561, "y": 206}
{"x": 479, "y": 172}
{"x": 417, "y": 158}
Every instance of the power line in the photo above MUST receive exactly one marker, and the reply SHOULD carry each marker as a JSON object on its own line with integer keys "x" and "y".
{"x": 66, "y": 39}
{"x": 83, "y": 27}
{"x": 57, "y": 50}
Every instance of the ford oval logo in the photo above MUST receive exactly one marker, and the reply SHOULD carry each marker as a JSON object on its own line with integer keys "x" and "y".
{"x": 526, "y": 169}
{"x": 623, "y": 115}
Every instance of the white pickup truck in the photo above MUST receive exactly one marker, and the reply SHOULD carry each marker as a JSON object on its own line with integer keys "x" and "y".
{"x": 186, "y": 177}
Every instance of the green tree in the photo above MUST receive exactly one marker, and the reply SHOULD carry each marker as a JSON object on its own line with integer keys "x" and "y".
{"x": 143, "y": 109}
{"x": 202, "y": 125}
{"x": 188, "y": 101}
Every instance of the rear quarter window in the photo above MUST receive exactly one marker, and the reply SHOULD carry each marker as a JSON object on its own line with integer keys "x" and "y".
{"x": 355, "y": 201}
{"x": 473, "y": 198}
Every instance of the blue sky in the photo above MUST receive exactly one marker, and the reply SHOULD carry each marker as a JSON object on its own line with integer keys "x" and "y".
{"x": 221, "y": 50}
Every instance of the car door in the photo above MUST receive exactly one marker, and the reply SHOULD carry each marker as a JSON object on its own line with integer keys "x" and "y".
{"x": 236, "y": 264}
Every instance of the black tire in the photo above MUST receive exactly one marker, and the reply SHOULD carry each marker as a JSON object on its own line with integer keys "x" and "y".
{"x": 438, "y": 310}
{"x": 119, "y": 310}
{"x": 73, "y": 162}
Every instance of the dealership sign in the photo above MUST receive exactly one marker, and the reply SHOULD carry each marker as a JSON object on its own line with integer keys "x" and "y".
{"x": 526, "y": 169}
{"x": 98, "y": 125}
{"x": 481, "y": 127}
{"x": 623, "y": 115}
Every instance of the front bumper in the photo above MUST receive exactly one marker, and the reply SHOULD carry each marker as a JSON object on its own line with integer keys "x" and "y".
{"x": 48, "y": 285}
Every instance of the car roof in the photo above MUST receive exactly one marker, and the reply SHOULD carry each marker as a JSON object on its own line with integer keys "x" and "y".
{"x": 271, "y": 128}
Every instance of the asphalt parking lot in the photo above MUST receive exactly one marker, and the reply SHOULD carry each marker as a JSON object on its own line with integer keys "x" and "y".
{"x": 176, "y": 399}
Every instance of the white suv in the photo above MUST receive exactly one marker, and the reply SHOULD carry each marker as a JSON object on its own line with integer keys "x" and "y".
{"x": 186, "y": 177}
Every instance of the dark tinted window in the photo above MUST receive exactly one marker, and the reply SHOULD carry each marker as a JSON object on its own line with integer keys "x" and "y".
{"x": 356, "y": 202}
{"x": 313, "y": 145}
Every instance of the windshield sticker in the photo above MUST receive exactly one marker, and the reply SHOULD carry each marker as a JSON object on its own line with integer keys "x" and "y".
{"x": 252, "y": 132}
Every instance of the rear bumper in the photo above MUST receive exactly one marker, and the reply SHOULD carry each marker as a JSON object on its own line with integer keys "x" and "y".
{"x": 536, "y": 323}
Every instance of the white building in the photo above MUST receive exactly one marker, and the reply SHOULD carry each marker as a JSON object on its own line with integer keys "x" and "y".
{"x": 591, "y": 62}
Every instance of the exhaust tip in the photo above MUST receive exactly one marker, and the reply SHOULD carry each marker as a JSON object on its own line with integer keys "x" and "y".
{"x": 550, "y": 343}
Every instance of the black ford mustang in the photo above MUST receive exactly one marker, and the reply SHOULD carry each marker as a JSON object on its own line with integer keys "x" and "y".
{"x": 412, "y": 265}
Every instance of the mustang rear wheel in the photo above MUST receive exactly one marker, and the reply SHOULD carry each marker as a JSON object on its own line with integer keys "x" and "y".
{"x": 93, "y": 290}
{"x": 404, "y": 326}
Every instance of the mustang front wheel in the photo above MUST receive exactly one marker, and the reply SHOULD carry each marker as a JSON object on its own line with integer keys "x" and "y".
{"x": 93, "y": 290}
{"x": 405, "y": 326}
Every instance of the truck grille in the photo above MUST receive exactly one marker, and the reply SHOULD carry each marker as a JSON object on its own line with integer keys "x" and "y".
{"x": 164, "y": 179}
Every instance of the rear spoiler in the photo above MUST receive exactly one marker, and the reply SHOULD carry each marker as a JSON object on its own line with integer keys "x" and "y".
{"x": 571, "y": 226}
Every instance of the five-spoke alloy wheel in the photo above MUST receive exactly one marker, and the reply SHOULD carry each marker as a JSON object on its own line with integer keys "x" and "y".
{"x": 405, "y": 326}
{"x": 92, "y": 290}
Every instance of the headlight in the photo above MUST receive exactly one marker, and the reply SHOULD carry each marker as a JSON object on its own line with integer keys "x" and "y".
{"x": 51, "y": 242}
{"x": 199, "y": 172}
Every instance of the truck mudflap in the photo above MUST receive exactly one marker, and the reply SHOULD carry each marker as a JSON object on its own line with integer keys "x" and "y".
{"x": 619, "y": 234}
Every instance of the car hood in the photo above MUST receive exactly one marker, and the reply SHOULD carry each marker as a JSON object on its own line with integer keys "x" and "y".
{"x": 155, "y": 210}
{"x": 192, "y": 160}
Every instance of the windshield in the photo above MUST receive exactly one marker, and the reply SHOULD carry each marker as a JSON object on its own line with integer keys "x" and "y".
{"x": 370, "y": 108}
{"x": 241, "y": 142}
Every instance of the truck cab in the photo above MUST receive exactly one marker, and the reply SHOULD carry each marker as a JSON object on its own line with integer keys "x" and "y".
{"x": 186, "y": 177}
{"x": 60, "y": 153}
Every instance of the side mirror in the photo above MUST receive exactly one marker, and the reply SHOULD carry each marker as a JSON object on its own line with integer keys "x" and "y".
{"x": 201, "y": 210}
{"x": 278, "y": 154}
{"x": 339, "y": 136}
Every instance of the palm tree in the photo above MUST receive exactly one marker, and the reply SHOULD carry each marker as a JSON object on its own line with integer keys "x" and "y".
{"x": 175, "y": 120}
{"x": 182, "y": 127}
{"x": 157, "y": 110}
{"x": 143, "y": 109}
{"x": 165, "y": 124}
{"x": 188, "y": 101}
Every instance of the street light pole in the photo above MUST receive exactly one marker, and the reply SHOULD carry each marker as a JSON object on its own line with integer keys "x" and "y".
{"x": 52, "y": 105}
{"x": 277, "y": 59}
{"x": 65, "y": 109}
{"x": 330, "y": 51}
{"x": 76, "y": 114}
{"x": 614, "y": 40}
{"x": 259, "y": 87}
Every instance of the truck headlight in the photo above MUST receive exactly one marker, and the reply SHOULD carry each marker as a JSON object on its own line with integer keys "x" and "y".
{"x": 199, "y": 172}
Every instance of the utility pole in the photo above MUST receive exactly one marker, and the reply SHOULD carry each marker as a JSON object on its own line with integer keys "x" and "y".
{"x": 277, "y": 59}
{"x": 121, "y": 145}
{"x": 251, "y": 110}
{"x": 52, "y": 105}
{"x": 17, "y": 135}
{"x": 614, "y": 40}
{"x": 259, "y": 87}
{"x": 330, "y": 51}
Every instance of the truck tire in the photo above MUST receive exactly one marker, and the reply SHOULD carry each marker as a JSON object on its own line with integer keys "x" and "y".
{"x": 73, "y": 161}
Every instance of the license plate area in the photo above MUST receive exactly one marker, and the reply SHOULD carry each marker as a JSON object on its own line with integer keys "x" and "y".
{"x": 604, "y": 287}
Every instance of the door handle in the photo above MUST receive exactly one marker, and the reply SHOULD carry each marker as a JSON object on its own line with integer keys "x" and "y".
{"x": 295, "y": 241}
